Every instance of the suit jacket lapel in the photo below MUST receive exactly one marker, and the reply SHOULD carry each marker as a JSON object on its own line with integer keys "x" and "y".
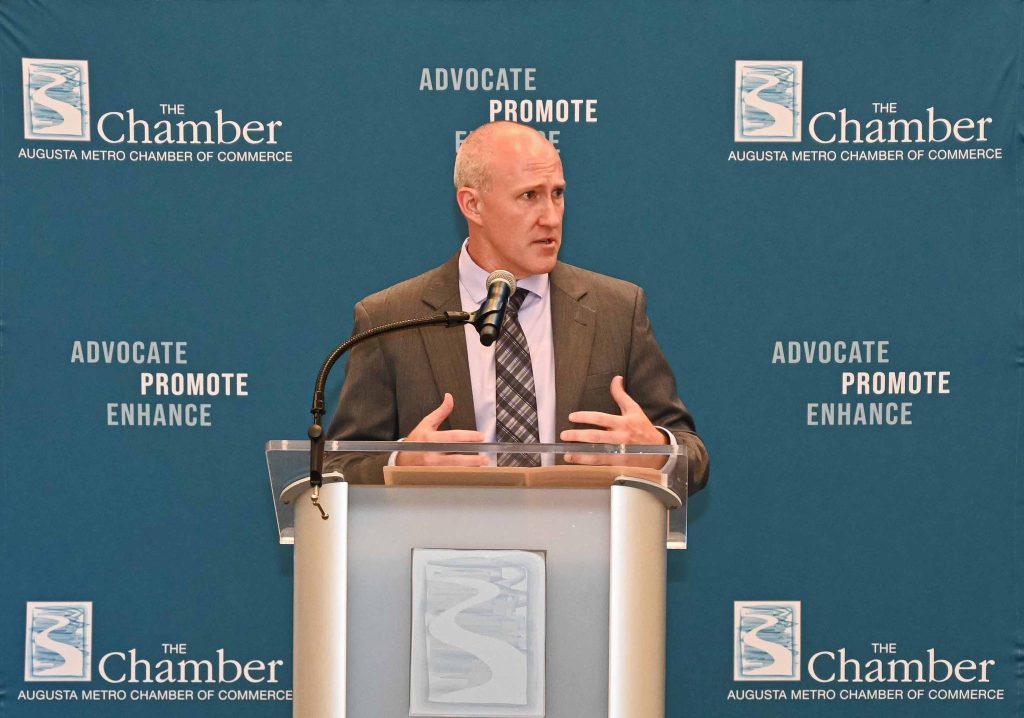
{"x": 572, "y": 329}
{"x": 446, "y": 347}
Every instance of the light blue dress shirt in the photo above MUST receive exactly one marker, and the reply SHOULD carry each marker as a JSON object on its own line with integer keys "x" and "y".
{"x": 535, "y": 319}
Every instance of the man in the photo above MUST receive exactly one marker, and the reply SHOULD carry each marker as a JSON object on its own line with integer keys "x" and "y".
{"x": 577, "y": 360}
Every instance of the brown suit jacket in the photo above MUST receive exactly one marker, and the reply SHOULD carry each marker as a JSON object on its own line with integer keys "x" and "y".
{"x": 600, "y": 328}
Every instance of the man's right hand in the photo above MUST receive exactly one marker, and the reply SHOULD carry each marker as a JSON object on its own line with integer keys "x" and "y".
{"x": 427, "y": 431}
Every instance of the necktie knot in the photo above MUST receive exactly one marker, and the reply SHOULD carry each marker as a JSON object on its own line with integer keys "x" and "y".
{"x": 515, "y": 302}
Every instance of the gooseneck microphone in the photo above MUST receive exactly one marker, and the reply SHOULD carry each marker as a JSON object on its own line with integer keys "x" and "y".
{"x": 488, "y": 318}
{"x": 316, "y": 430}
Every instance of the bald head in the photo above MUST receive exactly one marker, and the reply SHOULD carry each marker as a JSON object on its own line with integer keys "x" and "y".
{"x": 475, "y": 160}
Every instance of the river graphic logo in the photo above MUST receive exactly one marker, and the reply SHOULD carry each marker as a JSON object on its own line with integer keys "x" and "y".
{"x": 58, "y": 641}
{"x": 477, "y": 633}
{"x": 768, "y": 100}
{"x": 56, "y": 98}
{"x": 766, "y": 641}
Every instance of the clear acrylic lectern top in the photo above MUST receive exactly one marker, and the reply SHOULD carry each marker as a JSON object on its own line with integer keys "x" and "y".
{"x": 396, "y": 466}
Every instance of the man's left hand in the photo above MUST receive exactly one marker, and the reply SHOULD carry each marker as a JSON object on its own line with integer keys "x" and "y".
{"x": 632, "y": 427}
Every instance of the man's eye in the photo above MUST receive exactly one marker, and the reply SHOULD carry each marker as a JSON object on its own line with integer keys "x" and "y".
{"x": 529, "y": 195}
{"x": 559, "y": 192}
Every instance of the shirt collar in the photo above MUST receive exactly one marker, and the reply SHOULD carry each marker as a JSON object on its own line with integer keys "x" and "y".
{"x": 473, "y": 278}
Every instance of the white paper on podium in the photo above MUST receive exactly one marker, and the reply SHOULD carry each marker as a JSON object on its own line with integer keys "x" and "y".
{"x": 477, "y": 633}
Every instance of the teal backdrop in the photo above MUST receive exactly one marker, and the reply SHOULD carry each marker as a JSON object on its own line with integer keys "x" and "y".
{"x": 713, "y": 174}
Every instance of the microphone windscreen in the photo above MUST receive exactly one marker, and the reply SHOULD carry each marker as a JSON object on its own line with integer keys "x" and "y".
{"x": 501, "y": 275}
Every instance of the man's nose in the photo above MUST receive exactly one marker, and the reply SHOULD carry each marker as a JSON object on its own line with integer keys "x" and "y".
{"x": 551, "y": 213}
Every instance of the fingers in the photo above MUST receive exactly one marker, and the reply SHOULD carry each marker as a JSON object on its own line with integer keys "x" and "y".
{"x": 436, "y": 458}
{"x": 597, "y": 418}
{"x": 632, "y": 427}
{"x": 593, "y": 436}
{"x": 624, "y": 400}
{"x": 435, "y": 418}
{"x": 427, "y": 429}
{"x": 646, "y": 461}
{"x": 589, "y": 459}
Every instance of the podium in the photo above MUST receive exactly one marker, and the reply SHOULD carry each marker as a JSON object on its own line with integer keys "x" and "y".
{"x": 484, "y": 590}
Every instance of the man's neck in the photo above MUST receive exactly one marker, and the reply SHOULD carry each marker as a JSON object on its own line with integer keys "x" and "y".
{"x": 480, "y": 258}
{"x": 473, "y": 276}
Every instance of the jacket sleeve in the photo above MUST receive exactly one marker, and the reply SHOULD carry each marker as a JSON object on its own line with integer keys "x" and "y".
{"x": 366, "y": 409}
{"x": 652, "y": 384}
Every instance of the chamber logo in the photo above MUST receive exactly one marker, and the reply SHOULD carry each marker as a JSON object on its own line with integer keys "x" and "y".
{"x": 58, "y": 641}
{"x": 56, "y": 96}
{"x": 766, "y": 640}
{"x": 768, "y": 100}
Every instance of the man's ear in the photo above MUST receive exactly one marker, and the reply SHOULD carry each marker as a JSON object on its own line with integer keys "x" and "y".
{"x": 469, "y": 203}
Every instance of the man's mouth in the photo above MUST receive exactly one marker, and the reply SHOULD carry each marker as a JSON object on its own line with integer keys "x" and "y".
{"x": 548, "y": 242}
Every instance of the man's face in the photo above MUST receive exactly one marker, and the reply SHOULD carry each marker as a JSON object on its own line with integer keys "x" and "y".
{"x": 521, "y": 210}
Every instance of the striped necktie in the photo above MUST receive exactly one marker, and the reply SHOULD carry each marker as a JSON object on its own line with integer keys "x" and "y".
{"x": 515, "y": 394}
